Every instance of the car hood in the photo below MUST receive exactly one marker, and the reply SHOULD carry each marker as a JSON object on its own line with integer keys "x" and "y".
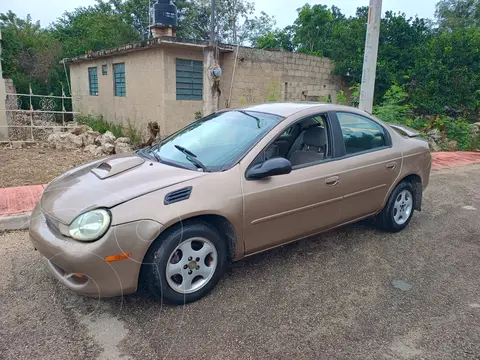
{"x": 106, "y": 183}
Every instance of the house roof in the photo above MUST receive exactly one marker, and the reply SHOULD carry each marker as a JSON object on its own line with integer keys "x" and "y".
{"x": 144, "y": 45}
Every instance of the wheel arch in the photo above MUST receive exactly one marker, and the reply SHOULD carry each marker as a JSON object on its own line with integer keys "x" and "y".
{"x": 220, "y": 223}
{"x": 416, "y": 182}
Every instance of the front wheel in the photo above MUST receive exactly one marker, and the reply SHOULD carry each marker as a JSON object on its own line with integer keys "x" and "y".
{"x": 399, "y": 209}
{"x": 184, "y": 264}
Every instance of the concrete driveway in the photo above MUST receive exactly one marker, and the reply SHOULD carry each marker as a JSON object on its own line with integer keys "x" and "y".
{"x": 328, "y": 297}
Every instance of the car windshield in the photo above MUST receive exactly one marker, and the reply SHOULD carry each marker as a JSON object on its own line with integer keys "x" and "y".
{"x": 216, "y": 141}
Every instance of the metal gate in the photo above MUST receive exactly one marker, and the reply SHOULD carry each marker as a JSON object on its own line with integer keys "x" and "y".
{"x": 32, "y": 117}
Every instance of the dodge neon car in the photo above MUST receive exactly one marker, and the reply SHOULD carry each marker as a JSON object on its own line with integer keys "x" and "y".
{"x": 171, "y": 216}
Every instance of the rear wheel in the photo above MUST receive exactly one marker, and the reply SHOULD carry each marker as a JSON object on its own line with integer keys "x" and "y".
{"x": 399, "y": 209}
{"x": 184, "y": 264}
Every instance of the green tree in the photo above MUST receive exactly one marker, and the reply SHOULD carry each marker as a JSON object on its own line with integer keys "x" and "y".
{"x": 28, "y": 53}
{"x": 93, "y": 28}
{"x": 447, "y": 73}
{"x": 313, "y": 29}
{"x": 133, "y": 12}
{"x": 278, "y": 39}
{"x": 452, "y": 14}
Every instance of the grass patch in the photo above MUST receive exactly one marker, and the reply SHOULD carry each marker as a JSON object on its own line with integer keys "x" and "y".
{"x": 102, "y": 126}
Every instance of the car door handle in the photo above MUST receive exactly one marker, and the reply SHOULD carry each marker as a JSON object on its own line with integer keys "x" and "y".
{"x": 332, "y": 181}
{"x": 391, "y": 166}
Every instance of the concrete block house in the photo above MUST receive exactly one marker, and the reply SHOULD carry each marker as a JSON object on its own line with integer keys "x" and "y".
{"x": 162, "y": 80}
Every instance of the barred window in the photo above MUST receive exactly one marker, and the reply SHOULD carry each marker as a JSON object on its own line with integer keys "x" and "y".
{"x": 93, "y": 81}
{"x": 189, "y": 75}
{"x": 104, "y": 69}
{"x": 119, "y": 79}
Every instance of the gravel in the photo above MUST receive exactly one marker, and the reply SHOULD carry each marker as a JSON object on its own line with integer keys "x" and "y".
{"x": 333, "y": 296}
{"x": 36, "y": 166}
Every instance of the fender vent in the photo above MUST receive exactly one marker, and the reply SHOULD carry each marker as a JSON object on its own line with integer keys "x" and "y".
{"x": 177, "y": 195}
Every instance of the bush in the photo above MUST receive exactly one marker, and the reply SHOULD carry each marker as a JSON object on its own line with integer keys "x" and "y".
{"x": 394, "y": 107}
{"x": 458, "y": 130}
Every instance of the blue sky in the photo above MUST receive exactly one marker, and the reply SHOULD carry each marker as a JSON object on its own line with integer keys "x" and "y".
{"x": 283, "y": 10}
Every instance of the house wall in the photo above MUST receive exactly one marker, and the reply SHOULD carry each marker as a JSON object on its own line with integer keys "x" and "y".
{"x": 262, "y": 76}
{"x": 150, "y": 89}
{"x": 150, "y": 74}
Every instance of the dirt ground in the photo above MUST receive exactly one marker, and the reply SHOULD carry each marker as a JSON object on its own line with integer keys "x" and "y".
{"x": 36, "y": 166}
{"x": 352, "y": 293}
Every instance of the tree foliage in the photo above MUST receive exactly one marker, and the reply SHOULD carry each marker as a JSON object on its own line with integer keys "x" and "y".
{"x": 453, "y": 14}
{"x": 435, "y": 62}
{"x": 28, "y": 52}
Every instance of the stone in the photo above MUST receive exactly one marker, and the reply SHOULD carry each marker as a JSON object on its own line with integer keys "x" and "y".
{"x": 433, "y": 145}
{"x": 401, "y": 285}
{"x": 434, "y": 134}
{"x": 18, "y": 145}
{"x": 475, "y": 128}
{"x": 150, "y": 133}
{"x": 65, "y": 141}
{"x": 98, "y": 151}
{"x": 122, "y": 140}
{"x": 108, "y": 148}
{"x": 106, "y": 138}
{"x": 452, "y": 145}
{"x": 80, "y": 129}
{"x": 91, "y": 148}
{"x": 89, "y": 137}
{"x": 121, "y": 148}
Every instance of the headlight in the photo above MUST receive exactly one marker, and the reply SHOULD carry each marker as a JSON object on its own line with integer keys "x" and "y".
{"x": 90, "y": 226}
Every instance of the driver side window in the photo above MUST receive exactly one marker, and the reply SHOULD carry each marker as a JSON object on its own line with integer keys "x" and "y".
{"x": 308, "y": 145}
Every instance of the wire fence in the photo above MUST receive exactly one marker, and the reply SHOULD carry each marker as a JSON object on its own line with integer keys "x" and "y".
{"x": 33, "y": 117}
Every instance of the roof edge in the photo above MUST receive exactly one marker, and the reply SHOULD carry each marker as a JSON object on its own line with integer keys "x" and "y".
{"x": 144, "y": 45}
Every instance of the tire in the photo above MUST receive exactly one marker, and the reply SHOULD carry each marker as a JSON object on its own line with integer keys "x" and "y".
{"x": 392, "y": 218}
{"x": 169, "y": 275}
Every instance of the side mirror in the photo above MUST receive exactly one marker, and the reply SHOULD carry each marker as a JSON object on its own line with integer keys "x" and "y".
{"x": 270, "y": 167}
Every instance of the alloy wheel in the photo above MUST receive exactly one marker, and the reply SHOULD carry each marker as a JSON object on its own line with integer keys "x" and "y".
{"x": 191, "y": 265}
{"x": 402, "y": 208}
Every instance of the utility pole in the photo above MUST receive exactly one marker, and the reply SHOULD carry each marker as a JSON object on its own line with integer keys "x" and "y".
{"x": 211, "y": 85}
{"x": 367, "y": 87}
{"x": 212, "y": 22}
{"x": 3, "y": 101}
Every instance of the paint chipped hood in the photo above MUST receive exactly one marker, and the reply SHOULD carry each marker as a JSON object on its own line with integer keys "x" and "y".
{"x": 106, "y": 183}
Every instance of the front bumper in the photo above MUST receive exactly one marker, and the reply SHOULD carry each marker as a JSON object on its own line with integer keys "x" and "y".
{"x": 66, "y": 257}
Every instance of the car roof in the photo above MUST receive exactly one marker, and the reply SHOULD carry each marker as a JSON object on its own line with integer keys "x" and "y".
{"x": 290, "y": 108}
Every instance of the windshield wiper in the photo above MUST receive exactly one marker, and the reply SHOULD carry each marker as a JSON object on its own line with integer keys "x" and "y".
{"x": 256, "y": 118}
{"x": 191, "y": 157}
{"x": 155, "y": 155}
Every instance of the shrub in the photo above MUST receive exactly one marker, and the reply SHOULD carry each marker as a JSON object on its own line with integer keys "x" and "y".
{"x": 393, "y": 107}
{"x": 458, "y": 130}
{"x": 101, "y": 125}
{"x": 341, "y": 98}
{"x": 355, "y": 95}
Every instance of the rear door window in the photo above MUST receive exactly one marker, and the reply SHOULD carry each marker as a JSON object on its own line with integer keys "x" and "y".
{"x": 360, "y": 133}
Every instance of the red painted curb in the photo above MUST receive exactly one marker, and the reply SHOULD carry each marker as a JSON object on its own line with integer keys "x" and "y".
{"x": 17, "y": 200}
{"x": 442, "y": 159}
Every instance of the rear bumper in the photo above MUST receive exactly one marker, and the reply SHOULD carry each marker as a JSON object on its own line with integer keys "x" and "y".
{"x": 66, "y": 257}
